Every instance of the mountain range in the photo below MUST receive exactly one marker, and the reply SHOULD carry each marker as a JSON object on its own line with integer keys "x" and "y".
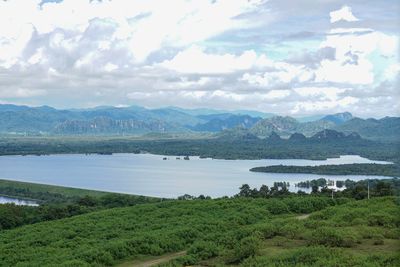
{"x": 107, "y": 120}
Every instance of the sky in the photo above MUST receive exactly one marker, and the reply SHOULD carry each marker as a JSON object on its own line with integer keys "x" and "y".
{"x": 295, "y": 58}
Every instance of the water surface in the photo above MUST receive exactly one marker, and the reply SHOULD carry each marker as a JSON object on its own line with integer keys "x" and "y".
{"x": 17, "y": 201}
{"x": 147, "y": 174}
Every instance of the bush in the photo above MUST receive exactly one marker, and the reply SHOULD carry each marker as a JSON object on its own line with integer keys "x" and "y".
{"x": 247, "y": 247}
{"x": 203, "y": 250}
{"x": 332, "y": 237}
{"x": 277, "y": 207}
{"x": 267, "y": 230}
{"x": 381, "y": 219}
{"x": 292, "y": 230}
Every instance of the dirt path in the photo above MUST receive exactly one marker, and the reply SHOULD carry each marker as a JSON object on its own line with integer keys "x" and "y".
{"x": 303, "y": 217}
{"x": 154, "y": 261}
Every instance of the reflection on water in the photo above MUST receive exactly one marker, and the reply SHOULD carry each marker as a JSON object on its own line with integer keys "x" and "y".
{"x": 151, "y": 175}
{"x": 16, "y": 201}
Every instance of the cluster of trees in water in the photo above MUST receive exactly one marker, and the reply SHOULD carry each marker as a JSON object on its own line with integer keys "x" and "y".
{"x": 353, "y": 189}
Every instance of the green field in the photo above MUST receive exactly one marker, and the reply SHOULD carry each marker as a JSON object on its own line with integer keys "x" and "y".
{"x": 239, "y": 231}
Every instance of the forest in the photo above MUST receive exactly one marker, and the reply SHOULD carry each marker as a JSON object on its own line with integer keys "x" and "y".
{"x": 392, "y": 170}
{"x": 220, "y": 148}
{"x": 257, "y": 227}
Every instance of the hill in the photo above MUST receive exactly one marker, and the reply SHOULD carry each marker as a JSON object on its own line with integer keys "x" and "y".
{"x": 220, "y": 122}
{"x": 242, "y": 231}
{"x": 387, "y": 128}
{"x": 136, "y": 120}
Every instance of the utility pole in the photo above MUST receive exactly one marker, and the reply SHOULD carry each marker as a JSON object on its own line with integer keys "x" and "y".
{"x": 332, "y": 193}
{"x": 368, "y": 187}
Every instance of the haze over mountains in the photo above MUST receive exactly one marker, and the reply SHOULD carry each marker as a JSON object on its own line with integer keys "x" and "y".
{"x": 136, "y": 120}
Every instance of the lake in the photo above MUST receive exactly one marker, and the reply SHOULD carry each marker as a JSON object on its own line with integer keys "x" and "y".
{"x": 17, "y": 201}
{"x": 150, "y": 175}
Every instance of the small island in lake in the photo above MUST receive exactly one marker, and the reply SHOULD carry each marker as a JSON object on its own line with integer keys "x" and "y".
{"x": 392, "y": 170}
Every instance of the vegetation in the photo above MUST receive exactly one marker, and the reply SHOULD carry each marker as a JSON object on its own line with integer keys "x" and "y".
{"x": 247, "y": 231}
{"x": 392, "y": 170}
{"x": 226, "y": 148}
{"x": 258, "y": 227}
{"x": 45, "y": 193}
{"x": 58, "y": 202}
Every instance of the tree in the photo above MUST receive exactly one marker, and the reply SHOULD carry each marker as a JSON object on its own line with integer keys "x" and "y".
{"x": 314, "y": 189}
{"x": 264, "y": 191}
{"x": 245, "y": 190}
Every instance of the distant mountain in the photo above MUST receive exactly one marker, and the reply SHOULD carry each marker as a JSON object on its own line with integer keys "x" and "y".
{"x": 281, "y": 125}
{"x": 220, "y": 122}
{"x": 297, "y": 137}
{"x": 99, "y": 120}
{"x": 238, "y": 133}
{"x": 285, "y": 126}
{"x": 309, "y": 118}
{"x": 387, "y": 128}
{"x": 274, "y": 138}
{"x": 106, "y": 125}
{"x": 332, "y": 135}
{"x": 139, "y": 120}
{"x": 338, "y": 118}
{"x": 206, "y": 111}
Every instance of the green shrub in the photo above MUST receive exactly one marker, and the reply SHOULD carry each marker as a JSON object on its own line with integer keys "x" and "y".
{"x": 247, "y": 247}
{"x": 277, "y": 207}
{"x": 267, "y": 230}
{"x": 332, "y": 237}
{"x": 292, "y": 230}
{"x": 203, "y": 250}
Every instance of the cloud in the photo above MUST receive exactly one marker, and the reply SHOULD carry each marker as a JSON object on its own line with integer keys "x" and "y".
{"x": 354, "y": 47}
{"x": 20, "y": 93}
{"x": 142, "y": 26}
{"x": 342, "y": 14}
{"x": 222, "y": 54}
{"x": 195, "y": 60}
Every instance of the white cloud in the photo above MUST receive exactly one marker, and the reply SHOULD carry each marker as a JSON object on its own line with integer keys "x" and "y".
{"x": 228, "y": 54}
{"x": 110, "y": 67}
{"x": 195, "y": 60}
{"x": 342, "y": 14}
{"x": 318, "y": 106}
{"x": 392, "y": 72}
{"x": 324, "y": 93}
{"x": 352, "y": 63}
{"x": 21, "y": 93}
{"x": 281, "y": 73}
{"x": 142, "y": 27}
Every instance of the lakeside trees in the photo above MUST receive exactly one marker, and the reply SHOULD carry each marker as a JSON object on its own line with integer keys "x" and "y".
{"x": 392, "y": 170}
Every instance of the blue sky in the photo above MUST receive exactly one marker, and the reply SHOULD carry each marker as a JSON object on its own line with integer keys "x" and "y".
{"x": 295, "y": 58}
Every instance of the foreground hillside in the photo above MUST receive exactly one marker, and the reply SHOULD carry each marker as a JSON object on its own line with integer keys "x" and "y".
{"x": 241, "y": 231}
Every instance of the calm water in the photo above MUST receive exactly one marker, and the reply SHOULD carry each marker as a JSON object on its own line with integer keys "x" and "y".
{"x": 16, "y": 201}
{"x": 150, "y": 175}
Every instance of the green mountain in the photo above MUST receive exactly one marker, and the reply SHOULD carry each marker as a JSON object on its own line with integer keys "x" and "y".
{"x": 107, "y": 120}
{"x": 282, "y": 125}
{"x": 220, "y": 122}
{"x": 387, "y": 128}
